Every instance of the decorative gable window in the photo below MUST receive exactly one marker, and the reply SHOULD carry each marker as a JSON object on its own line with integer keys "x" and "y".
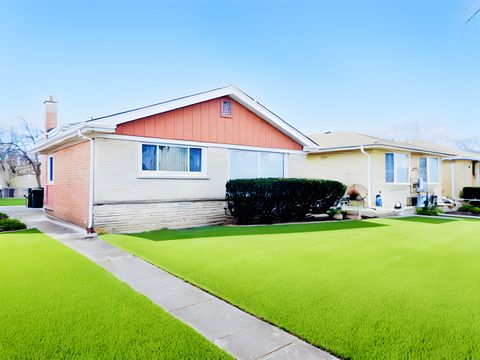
{"x": 226, "y": 109}
{"x": 169, "y": 160}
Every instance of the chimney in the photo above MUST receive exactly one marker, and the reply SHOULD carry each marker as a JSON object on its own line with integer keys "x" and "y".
{"x": 50, "y": 115}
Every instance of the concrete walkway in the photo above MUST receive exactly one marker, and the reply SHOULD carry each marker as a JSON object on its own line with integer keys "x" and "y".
{"x": 238, "y": 333}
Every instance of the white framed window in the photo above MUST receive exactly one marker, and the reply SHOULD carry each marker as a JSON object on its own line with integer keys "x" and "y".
{"x": 397, "y": 168}
{"x": 172, "y": 160}
{"x": 429, "y": 170}
{"x": 256, "y": 164}
{"x": 50, "y": 169}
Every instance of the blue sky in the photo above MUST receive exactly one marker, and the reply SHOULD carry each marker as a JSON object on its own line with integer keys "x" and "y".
{"x": 371, "y": 66}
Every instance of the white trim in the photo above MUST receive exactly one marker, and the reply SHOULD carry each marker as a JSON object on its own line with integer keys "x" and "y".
{"x": 390, "y": 148}
{"x": 286, "y": 158}
{"x": 108, "y": 124}
{"x": 231, "y": 91}
{"x": 150, "y": 140}
{"x": 69, "y": 133}
{"x": 50, "y": 171}
{"x": 157, "y": 174}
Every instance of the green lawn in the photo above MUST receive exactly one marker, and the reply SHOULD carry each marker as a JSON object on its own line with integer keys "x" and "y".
{"x": 54, "y": 303}
{"x": 383, "y": 288}
{"x": 12, "y": 201}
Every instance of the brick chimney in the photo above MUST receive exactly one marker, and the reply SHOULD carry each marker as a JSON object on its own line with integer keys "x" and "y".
{"x": 50, "y": 115}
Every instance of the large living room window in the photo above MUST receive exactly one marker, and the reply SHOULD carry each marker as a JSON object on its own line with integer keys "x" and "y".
{"x": 255, "y": 164}
{"x": 171, "y": 160}
{"x": 396, "y": 168}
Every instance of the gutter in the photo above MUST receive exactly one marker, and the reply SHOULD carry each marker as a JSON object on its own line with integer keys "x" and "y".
{"x": 369, "y": 157}
{"x": 90, "y": 222}
{"x": 70, "y": 133}
{"x": 378, "y": 146}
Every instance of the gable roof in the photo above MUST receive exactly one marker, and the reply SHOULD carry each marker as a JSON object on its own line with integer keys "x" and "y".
{"x": 107, "y": 124}
{"x": 348, "y": 140}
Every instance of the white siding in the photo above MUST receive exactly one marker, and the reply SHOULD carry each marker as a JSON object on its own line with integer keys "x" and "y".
{"x": 117, "y": 176}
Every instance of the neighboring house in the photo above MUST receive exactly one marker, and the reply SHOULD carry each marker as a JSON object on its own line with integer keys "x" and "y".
{"x": 21, "y": 180}
{"x": 395, "y": 170}
{"x": 458, "y": 171}
{"x": 163, "y": 165}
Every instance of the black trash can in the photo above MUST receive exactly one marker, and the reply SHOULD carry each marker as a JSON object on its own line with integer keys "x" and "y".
{"x": 35, "y": 198}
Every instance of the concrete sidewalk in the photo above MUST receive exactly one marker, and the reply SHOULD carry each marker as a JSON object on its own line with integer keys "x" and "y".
{"x": 238, "y": 333}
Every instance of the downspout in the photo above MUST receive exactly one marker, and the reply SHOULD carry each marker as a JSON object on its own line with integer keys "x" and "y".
{"x": 90, "y": 223}
{"x": 452, "y": 174}
{"x": 369, "y": 157}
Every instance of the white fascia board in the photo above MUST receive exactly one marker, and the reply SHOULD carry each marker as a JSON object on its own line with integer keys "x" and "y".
{"x": 68, "y": 135}
{"x": 377, "y": 146}
{"x": 152, "y": 140}
{"x": 465, "y": 158}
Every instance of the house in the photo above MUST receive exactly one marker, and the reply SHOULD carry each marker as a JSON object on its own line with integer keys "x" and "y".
{"x": 458, "y": 171}
{"x": 397, "y": 171}
{"x": 163, "y": 165}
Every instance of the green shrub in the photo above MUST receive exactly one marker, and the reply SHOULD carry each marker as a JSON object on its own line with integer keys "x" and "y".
{"x": 475, "y": 210}
{"x": 268, "y": 200}
{"x": 472, "y": 192}
{"x": 469, "y": 208}
{"x": 11, "y": 224}
{"x": 332, "y": 212}
{"x": 429, "y": 211}
{"x": 466, "y": 208}
{"x": 3, "y": 216}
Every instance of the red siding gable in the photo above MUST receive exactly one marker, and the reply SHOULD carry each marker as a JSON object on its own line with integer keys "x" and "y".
{"x": 203, "y": 122}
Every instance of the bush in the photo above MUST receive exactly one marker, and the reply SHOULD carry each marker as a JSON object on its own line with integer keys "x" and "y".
{"x": 268, "y": 200}
{"x": 466, "y": 208}
{"x": 11, "y": 224}
{"x": 3, "y": 216}
{"x": 429, "y": 211}
{"x": 332, "y": 212}
{"x": 469, "y": 208}
{"x": 472, "y": 192}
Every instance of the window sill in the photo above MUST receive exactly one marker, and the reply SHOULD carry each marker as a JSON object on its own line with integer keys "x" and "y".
{"x": 397, "y": 184}
{"x": 173, "y": 177}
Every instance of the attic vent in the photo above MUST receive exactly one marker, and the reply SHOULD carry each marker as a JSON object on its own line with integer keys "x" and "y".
{"x": 226, "y": 109}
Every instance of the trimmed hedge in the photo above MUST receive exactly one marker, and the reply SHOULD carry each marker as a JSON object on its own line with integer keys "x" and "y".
{"x": 269, "y": 200}
{"x": 472, "y": 192}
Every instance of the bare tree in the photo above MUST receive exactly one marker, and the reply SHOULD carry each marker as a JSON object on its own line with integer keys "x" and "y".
{"x": 469, "y": 144}
{"x": 16, "y": 156}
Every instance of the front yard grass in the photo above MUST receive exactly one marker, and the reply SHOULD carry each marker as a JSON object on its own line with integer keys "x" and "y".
{"x": 383, "y": 288}
{"x": 56, "y": 304}
{"x": 12, "y": 201}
